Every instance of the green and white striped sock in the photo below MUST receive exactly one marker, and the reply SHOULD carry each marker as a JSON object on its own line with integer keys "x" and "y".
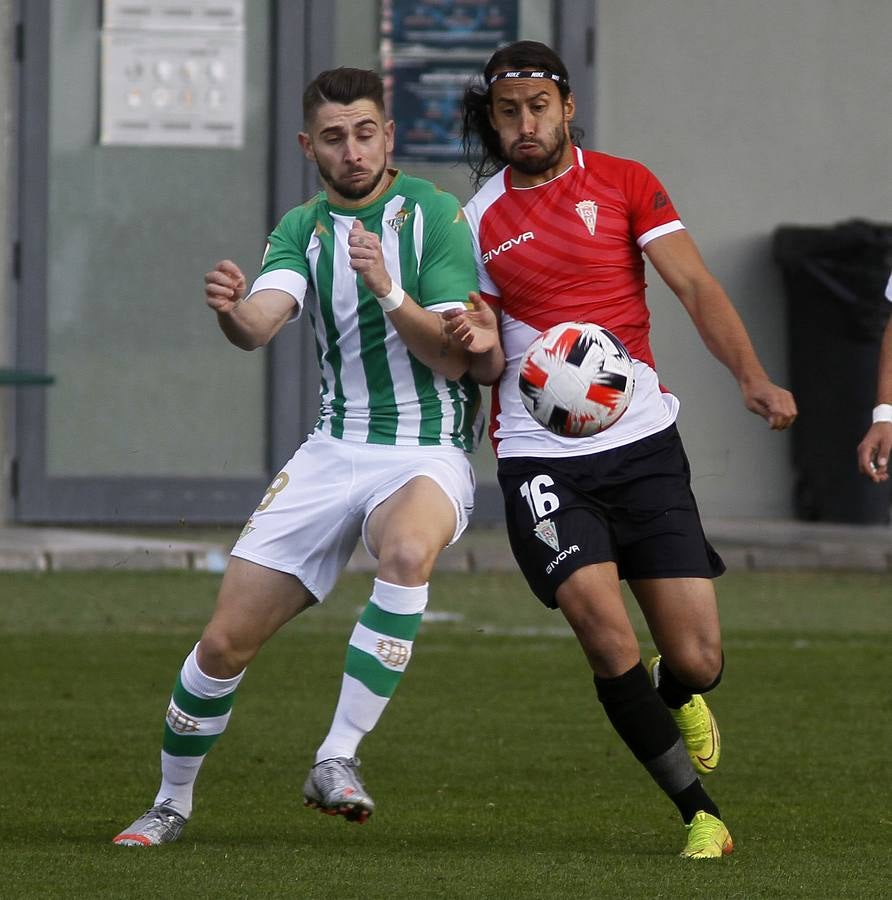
{"x": 198, "y": 714}
{"x": 379, "y": 651}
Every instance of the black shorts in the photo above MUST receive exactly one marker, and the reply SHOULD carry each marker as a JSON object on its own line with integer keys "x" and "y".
{"x": 632, "y": 505}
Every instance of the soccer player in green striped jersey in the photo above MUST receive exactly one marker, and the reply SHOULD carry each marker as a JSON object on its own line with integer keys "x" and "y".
{"x": 384, "y": 254}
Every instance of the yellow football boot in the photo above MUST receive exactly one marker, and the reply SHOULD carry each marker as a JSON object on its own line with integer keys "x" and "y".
{"x": 707, "y": 838}
{"x": 697, "y": 726}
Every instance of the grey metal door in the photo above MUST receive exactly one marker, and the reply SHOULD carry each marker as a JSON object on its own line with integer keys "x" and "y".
{"x": 153, "y": 416}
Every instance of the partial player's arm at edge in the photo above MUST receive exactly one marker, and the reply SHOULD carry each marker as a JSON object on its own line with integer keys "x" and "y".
{"x": 875, "y": 449}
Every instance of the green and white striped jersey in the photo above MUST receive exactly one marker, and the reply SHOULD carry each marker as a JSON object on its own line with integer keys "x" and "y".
{"x": 373, "y": 390}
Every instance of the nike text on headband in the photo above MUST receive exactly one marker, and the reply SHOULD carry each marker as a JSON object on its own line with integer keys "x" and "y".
{"x": 530, "y": 73}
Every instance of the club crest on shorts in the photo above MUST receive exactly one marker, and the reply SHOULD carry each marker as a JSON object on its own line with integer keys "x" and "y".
{"x": 546, "y": 531}
{"x": 588, "y": 212}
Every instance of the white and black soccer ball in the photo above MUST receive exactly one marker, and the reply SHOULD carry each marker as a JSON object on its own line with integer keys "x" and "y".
{"x": 576, "y": 379}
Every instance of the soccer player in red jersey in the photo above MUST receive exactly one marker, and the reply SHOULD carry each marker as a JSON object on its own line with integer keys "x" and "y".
{"x": 559, "y": 234}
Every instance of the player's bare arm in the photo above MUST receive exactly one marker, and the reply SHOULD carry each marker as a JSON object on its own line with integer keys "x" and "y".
{"x": 247, "y": 324}
{"x": 678, "y": 262}
{"x": 423, "y": 332}
{"x": 477, "y": 330}
{"x": 874, "y": 451}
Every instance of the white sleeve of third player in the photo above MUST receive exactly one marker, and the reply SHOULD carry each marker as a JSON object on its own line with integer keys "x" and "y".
{"x": 889, "y": 289}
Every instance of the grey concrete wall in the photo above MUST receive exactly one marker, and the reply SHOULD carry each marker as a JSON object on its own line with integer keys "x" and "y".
{"x": 7, "y": 144}
{"x": 753, "y": 114}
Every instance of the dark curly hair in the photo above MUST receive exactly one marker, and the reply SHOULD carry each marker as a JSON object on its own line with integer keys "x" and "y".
{"x": 480, "y": 141}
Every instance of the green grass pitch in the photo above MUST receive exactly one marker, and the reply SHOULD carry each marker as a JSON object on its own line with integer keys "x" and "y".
{"x": 495, "y": 771}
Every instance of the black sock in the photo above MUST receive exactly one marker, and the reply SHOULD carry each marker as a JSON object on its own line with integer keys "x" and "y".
{"x": 642, "y": 720}
{"x": 692, "y": 800}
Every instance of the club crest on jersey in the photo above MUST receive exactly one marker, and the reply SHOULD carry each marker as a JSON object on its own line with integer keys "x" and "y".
{"x": 397, "y": 222}
{"x": 588, "y": 212}
{"x": 546, "y": 531}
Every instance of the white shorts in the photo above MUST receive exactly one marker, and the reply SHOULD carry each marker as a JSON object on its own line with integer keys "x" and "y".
{"x": 315, "y": 510}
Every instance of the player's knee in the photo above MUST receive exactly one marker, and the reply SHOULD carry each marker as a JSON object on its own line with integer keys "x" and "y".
{"x": 717, "y": 662}
{"x": 406, "y": 560}
{"x": 219, "y": 656}
{"x": 700, "y": 670}
{"x": 610, "y": 650}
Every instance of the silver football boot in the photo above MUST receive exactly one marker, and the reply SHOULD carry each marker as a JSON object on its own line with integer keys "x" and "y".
{"x": 335, "y": 788}
{"x": 158, "y": 825}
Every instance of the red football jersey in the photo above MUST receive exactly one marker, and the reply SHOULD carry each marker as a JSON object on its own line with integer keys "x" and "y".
{"x": 570, "y": 250}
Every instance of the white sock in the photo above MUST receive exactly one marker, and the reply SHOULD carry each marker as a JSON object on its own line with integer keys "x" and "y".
{"x": 379, "y": 651}
{"x": 178, "y": 772}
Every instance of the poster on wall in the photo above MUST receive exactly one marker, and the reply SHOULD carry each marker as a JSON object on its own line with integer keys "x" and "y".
{"x": 426, "y": 97}
{"x": 173, "y": 73}
{"x": 430, "y": 51}
{"x": 451, "y": 23}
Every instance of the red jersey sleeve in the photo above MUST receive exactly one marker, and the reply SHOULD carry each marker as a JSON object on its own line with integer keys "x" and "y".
{"x": 652, "y": 211}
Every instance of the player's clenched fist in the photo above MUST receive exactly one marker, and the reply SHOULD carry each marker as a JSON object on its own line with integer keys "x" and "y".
{"x": 367, "y": 258}
{"x": 224, "y": 286}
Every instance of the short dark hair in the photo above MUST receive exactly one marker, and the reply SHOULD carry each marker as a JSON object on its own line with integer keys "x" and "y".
{"x": 480, "y": 141}
{"x": 343, "y": 85}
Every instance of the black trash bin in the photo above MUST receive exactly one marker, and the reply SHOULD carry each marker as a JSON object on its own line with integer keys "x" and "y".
{"x": 835, "y": 279}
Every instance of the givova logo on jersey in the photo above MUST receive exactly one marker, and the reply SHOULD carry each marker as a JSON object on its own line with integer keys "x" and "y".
{"x": 505, "y": 246}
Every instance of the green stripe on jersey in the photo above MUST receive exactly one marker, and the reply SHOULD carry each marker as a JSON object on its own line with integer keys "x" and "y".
{"x": 431, "y": 420}
{"x": 395, "y": 625}
{"x": 383, "y": 417}
{"x": 365, "y": 668}
{"x": 323, "y": 276}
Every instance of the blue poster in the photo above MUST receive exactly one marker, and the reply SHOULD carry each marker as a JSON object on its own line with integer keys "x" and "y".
{"x": 427, "y": 108}
{"x": 431, "y": 50}
{"x": 453, "y": 23}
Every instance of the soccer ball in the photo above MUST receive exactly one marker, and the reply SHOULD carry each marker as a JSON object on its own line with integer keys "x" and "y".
{"x": 576, "y": 379}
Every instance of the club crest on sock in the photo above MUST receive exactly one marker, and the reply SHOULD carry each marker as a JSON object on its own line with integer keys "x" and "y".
{"x": 392, "y": 653}
{"x": 180, "y": 722}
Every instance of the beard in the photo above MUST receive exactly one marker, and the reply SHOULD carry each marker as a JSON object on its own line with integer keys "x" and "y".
{"x": 351, "y": 190}
{"x": 531, "y": 166}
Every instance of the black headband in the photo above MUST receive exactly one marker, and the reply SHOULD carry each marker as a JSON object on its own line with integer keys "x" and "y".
{"x": 530, "y": 73}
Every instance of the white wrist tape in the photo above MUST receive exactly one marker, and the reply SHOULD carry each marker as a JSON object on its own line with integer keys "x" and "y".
{"x": 394, "y": 299}
{"x": 882, "y": 413}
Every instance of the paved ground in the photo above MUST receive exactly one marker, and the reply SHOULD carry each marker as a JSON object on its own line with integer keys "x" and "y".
{"x": 744, "y": 544}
